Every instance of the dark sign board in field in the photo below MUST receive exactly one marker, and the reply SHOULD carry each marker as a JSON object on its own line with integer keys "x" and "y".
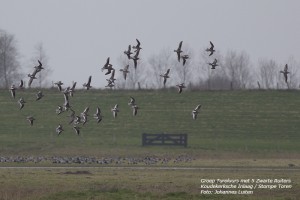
{"x": 164, "y": 139}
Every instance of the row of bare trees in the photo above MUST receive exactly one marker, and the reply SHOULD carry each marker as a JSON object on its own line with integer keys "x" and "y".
{"x": 235, "y": 70}
{"x": 10, "y": 68}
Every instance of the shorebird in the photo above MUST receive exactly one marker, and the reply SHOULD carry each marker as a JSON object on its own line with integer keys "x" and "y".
{"x": 135, "y": 58}
{"x": 58, "y": 84}
{"x": 214, "y": 64}
{"x": 59, "y": 110}
{"x": 77, "y": 130}
{"x": 59, "y": 129}
{"x": 39, "y": 67}
{"x": 110, "y": 84}
{"x": 180, "y": 87}
{"x": 134, "y": 109}
{"x": 107, "y": 66}
{"x": 39, "y": 95}
{"x": 285, "y": 72}
{"x": 13, "y": 91}
{"x": 21, "y": 85}
{"x": 131, "y": 102}
{"x": 88, "y": 84}
{"x": 184, "y": 58}
{"x": 72, "y": 89}
{"x": 21, "y": 103}
{"x": 30, "y": 119}
{"x": 195, "y": 111}
{"x": 97, "y": 115}
{"x": 77, "y": 119}
{"x": 178, "y": 51}
{"x": 211, "y": 49}
{"x": 165, "y": 76}
{"x": 128, "y": 52}
{"x": 137, "y": 47}
{"x": 86, "y": 110}
{"x": 84, "y": 119}
{"x": 115, "y": 111}
{"x": 125, "y": 71}
{"x": 112, "y": 77}
{"x": 31, "y": 77}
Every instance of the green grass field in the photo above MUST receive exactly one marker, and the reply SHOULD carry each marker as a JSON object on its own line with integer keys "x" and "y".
{"x": 260, "y": 122}
{"x": 233, "y": 129}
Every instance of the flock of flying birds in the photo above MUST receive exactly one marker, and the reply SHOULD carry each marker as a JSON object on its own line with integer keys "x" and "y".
{"x": 69, "y": 91}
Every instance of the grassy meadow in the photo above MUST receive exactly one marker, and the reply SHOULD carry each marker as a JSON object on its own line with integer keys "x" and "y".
{"x": 234, "y": 122}
{"x": 234, "y": 129}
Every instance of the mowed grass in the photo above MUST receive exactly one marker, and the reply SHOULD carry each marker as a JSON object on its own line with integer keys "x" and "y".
{"x": 107, "y": 183}
{"x": 259, "y": 122}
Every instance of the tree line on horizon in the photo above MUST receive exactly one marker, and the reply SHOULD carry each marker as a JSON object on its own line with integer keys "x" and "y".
{"x": 235, "y": 70}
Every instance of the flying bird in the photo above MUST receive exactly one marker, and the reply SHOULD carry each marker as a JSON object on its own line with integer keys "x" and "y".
{"x": 196, "y": 111}
{"x": 88, "y": 84}
{"x": 184, "y": 58}
{"x": 58, "y": 84}
{"x": 285, "y": 72}
{"x": 21, "y": 85}
{"x": 39, "y": 67}
{"x": 180, "y": 87}
{"x": 125, "y": 71}
{"x": 178, "y": 51}
{"x": 59, "y": 110}
{"x": 115, "y": 111}
{"x": 30, "y": 120}
{"x": 21, "y": 103}
{"x": 211, "y": 49}
{"x": 72, "y": 89}
{"x": 138, "y": 46}
{"x": 135, "y": 58}
{"x": 97, "y": 115}
{"x": 214, "y": 64}
{"x": 107, "y": 66}
{"x": 128, "y": 52}
{"x": 131, "y": 102}
{"x": 59, "y": 129}
{"x": 134, "y": 109}
{"x": 165, "y": 76}
{"x": 112, "y": 77}
{"x": 77, "y": 130}
{"x": 39, "y": 95}
{"x": 31, "y": 77}
{"x": 13, "y": 91}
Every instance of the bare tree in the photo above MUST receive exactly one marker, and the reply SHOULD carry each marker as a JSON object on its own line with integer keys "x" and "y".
{"x": 9, "y": 64}
{"x": 184, "y": 72}
{"x": 158, "y": 64}
{"x": 40, "y": 54}
{"x": 268, "y": 73}
{"x": 238, "y": 69}
{"x": 212, "y": 78}
{"x": 134, "y": 78}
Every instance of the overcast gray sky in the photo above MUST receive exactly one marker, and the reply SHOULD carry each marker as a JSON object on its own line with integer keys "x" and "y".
{"x": 79, "y": 35}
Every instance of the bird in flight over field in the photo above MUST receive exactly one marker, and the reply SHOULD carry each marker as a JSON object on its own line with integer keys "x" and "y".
{"x": 178, "y": 51}
{"x": 211, "y": 49}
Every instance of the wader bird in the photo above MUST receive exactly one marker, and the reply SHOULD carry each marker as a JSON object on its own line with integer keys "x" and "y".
{"x": 211, "y": 49}
{"x": 178, "y": 51}
{"x": 165, "y": 76}
{"x": 195, "y": 111}
{"x": 285, "y": 73}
